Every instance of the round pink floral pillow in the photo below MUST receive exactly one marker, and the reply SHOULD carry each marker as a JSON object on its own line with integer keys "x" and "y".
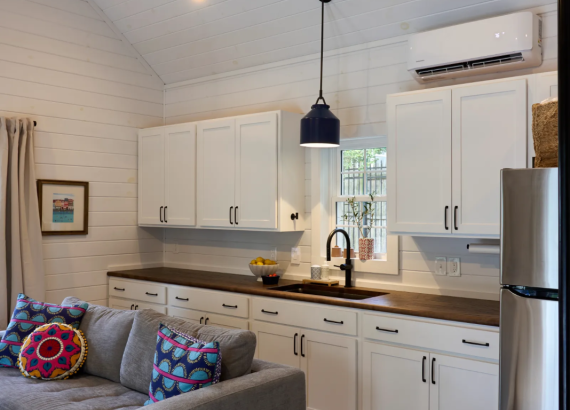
{"x": 53, "y": 352}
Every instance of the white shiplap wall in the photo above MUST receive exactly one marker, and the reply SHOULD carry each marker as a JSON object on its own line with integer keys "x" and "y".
{"x": 190, "y": 39}
{"x": 62, "y": 65}
{"x": 358, "y": 79}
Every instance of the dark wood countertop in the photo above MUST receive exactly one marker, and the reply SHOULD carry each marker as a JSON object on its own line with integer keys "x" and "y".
{"x": 476, "y": 311}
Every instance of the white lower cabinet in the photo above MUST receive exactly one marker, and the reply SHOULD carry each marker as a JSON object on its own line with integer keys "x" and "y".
{"x": 208, "y": 318}
{"x": 397, "y": 378}
{"x": 329, "y": 362}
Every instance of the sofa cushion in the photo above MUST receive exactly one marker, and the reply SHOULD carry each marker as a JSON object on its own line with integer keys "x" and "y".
{"x": 182, "y": 364}
{"x": 237, "y": 346}
{"x": 28, "y": 315}
{"x": 107, "y": 331}
{"x": 81, "y": 392}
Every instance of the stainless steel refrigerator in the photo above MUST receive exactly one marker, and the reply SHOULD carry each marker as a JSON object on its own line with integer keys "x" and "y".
{"x": 529, "y": 289}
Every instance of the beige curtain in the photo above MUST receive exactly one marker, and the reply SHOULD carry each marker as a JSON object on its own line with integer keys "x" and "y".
{"x": 21, "y": 258}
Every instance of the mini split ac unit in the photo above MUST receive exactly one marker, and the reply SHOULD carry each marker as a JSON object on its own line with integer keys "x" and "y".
{"x": 503, "y": 43}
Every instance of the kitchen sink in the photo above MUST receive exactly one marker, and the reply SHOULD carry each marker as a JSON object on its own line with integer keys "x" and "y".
{"x": 329, "y": 291}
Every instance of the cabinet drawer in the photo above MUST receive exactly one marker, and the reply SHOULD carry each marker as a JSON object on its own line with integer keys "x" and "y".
{"x": 455, "y": 339}
{"x": 311, "y": 316}
{"x": 125, "y": 304}
{"x": 143, "y": 291}
{"x": 225, "y": 303}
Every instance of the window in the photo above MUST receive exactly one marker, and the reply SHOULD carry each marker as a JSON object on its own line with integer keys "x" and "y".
{"x": 360, "y": 170}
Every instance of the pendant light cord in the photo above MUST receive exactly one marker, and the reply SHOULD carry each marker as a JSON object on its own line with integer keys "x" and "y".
{"x": 322, "y": 51}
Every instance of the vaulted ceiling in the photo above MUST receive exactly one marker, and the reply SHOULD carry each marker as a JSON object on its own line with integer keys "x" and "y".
{"x": 188, "y": 39}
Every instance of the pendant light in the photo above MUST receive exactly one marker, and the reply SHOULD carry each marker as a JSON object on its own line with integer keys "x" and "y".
{"x": 320, "y": 128}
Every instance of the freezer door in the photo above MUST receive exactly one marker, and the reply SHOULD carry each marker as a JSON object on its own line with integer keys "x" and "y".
{"x": 529, "y": 227}
{"x": 529, "y": 353}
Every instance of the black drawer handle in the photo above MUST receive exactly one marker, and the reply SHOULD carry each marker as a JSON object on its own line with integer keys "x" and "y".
{"x": 151, "y": 294}
{"x": 202, "y": 318}
{"x": 467, "y": 342}
{"x": 206, "y": 321}
{"x": 184, "y": 299}
{"x": 165, "y": 220}
{"x": 445, "y": 216}
{"x": 424, "y": 369}
{"x": 302, "y": 351}
{"x": 137, "y": 307}
{"x": 230, "y": 306}
{"x": 332, "y": 321}
{"x": 387, "y": 330}
{"x": 160, "y": 212}
{"x": 295, "y": 344}
{"x": 433, "y": 371}
{"x": 120, "y": 289}
{"x": 132, "y": 306}
{"x": 455, "y": 218}
{"x": 271, "y": 313}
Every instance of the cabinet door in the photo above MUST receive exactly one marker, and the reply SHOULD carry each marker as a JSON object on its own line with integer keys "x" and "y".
{"x": 277, "y": 344}
{"x": 489, "y": 134}
{"x": 193, "y": 316}
{"x": 463, "y": 384}
{"x": 329, "y": 363}
{"x": 151, "y": 176}
{"x": 394, "y": 378}
{"x": 216, "y": 173}
{"x": 419, "y": 162}
{"x": 256, "y": 171}
{"x": 227, "y": 322}
{"x": 180, "y": 180}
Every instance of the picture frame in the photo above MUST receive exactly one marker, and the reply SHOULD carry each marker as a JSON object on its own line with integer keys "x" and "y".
{"x": 64, "y": 207}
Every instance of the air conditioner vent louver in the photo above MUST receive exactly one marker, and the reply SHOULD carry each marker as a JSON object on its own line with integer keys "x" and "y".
{"x": 471, "y": 65}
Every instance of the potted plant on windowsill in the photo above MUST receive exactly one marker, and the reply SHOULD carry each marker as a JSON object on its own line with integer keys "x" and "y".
{"x": 363, "y": 219}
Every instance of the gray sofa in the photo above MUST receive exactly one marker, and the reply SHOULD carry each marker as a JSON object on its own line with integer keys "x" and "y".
{"x": 118, "y": 371}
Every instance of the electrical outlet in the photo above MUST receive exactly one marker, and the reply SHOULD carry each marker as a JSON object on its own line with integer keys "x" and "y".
{"x": 454, "y": 267}
{"x": 176, "y": 248}
{"x": 273, "y": 254}
{"x": 295, "y": 256}
{"x": 441, "y": 266}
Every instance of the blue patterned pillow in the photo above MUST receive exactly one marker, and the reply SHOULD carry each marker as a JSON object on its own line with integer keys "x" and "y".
{"x": 29, "y": 315}
{"x": 182, "y": 364}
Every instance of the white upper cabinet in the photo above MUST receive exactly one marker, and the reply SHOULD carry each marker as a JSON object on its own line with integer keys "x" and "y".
{"x": 419, "y": 161}
{"x": 446, "y": 149}
{"x": 251, "y": 173}
{"x": 151, "y": 176}
{"x": 216, "y": 173}
{"x": 167, "y": 176}
{"x": 489, "y": 134}
{"x": 256, "y": 172}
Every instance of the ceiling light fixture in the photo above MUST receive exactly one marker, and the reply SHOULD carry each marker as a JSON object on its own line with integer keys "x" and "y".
{"x": 320, "y": 128}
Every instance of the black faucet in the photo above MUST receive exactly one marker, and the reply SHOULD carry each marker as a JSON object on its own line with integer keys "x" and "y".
{"x": 347, "y": 267}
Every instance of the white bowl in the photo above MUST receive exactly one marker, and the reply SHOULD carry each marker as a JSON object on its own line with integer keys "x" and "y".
{"x": 264, "y": 270}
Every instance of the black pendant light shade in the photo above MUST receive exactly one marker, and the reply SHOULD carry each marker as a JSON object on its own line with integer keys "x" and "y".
{"x": 320, "y": 128}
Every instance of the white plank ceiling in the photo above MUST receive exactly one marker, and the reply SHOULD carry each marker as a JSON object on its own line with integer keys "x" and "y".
{"x": 188, "y": 39}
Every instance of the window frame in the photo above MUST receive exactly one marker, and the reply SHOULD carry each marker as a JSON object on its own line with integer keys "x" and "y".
{"x": 390, "y": 265}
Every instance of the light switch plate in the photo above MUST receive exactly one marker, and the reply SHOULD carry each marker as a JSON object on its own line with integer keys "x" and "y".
{"x": 295, "y": 256}
{"x": 454, "y": 267}
{"x": 441, "y": 266}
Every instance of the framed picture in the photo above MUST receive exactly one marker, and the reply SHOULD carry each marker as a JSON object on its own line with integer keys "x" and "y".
{"x": 64, "y": 207}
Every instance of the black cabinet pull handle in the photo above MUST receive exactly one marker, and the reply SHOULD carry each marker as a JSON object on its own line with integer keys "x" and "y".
{"x": 445, "y": 216}
{"x": 206, "y": 321}
{"x": 202, "y": 318}
{"x": 295, "y": 344}
{"x": 271, "y": 313}
{"x": 231, "y": 209}
{"x": 184, "y": 299}
{"x": 387, "y": 330}
{"x": 433, "y": 371}
{"x": 424, "y": 369}
{"x": 160, "y": 213}
{"x": 132, "y": 306}
{"x": 120, "y": 289}
{"x": 235, "y": 215}
{"x": 165, "y": 220}
{"x": 467, "y": 342}
{"x": 332, "y": 321}
{"x": 151, "y": 294}
{"x": 230, "y": 306}
{"x": 302, "y": 352}
{"x": 455, "y": 218}
{"x": 136, "y": 307}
